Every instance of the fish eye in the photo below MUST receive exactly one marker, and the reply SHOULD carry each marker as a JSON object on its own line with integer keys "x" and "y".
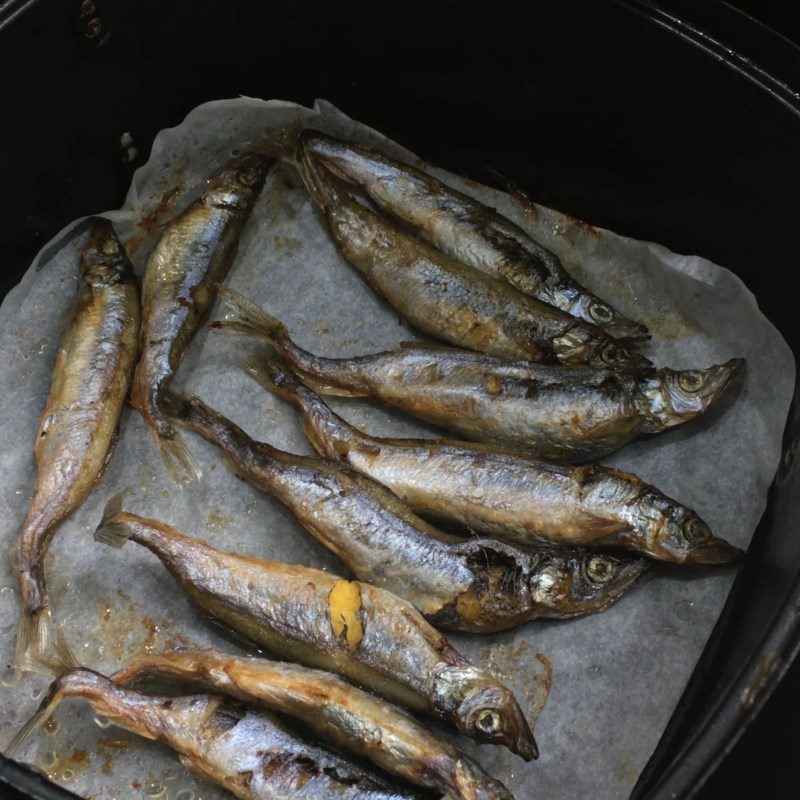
{"x": 599, "y": 569}
{"x": 690, "y": 381}
{"x": 488, "y": 722}
{"x": 696, "y": 531}
{"x": 611, "y": 354}
{"x": 600, "y": 312}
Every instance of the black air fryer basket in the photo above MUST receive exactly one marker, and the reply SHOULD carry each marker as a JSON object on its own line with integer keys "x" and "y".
{"x": 660, "y": 120}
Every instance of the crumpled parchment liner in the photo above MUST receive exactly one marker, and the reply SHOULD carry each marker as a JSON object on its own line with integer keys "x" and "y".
{"x": 616, "y": 677}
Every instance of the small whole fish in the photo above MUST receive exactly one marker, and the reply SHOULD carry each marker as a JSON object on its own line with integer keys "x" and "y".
{"x": 559, "y": 413}
{"x": 359, "y": 631}
{"x": 466, "y": 230}
{"x": 450, "y": 300}
{"x": 512, "y": 495}
{"x": 78, "y": 430}
{"x": 334, "y": 709}
{"x": 477, "y": 586}
{"x": 252, "y": 755}
{"x": 195, "y": 251}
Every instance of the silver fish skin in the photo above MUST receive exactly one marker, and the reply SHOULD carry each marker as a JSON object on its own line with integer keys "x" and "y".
{"x": 478, "y": 586}
{"x": 364, "y": 633}
{"x": 252, "y": 755}
{"x": 78, "y": 430}
{"x": 350, "y": 718}
{"x": 466, "y": 230}
{"x": 448, "y": 299}
{"x": 513, "y": 496}
{"x": 195, "y": 251}
{"x": 556, "y": 412}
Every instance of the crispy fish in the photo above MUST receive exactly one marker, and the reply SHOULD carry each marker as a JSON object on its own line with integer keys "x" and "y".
{"x": 509, "y": 494}
{"x": 195, "y": 251}
{"x": 466, "y": 230}
{"x": 559, "y": 413}
{"x": 78, "y": 431}
{"x": 478, "y": 586}
{"x": 252, "y": 755}
{"x": 359, "y": 631}
{"x": 334, "y": 709}
{"x": 448, "y": 299}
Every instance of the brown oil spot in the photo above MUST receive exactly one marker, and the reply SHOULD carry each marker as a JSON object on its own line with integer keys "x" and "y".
{"x": 493, "y": 384}
{"x": 219, "y": 521}
{"x": 164, "y": 204}
{"x": 288, "y": 243}
{"x": 580, "y": 225}
{"x": 109, "y": 747}
{"x": 78, "y": 760}
{"x": 626, "y": 773}
{"x": 344, "y": 603}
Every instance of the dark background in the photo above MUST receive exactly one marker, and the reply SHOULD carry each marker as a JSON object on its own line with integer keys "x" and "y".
{"x": 763, "y": 763}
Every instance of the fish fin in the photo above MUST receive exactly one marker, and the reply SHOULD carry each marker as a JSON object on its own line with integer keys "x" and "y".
{"x": 251, "y": 320}
{"x": 178, "y": 460}
{"x": 270, "y": 371}
{"x": 41, "y": 716}
{"x": 33, "y": 639}
{"x": 112, "y": 531}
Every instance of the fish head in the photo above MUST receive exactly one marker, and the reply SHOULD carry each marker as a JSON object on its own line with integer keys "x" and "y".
{"x": 587, "y": 344}
{"x": 682, "y": 537}
{"x": 104, "y": 261}
{"x": 484, "y": 709}
{"x": 676, "y": 396}
{"x": 473, "y": 783}
{"x": 583, "y": 582}
{"x": 237, "y": 182}
{"x": 604, "y": 316}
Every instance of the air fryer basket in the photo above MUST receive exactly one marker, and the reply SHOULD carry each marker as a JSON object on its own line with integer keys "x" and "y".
{"x": 662, "y": 121}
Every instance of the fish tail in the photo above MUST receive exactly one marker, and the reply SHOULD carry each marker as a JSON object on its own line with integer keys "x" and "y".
{"x": 58, "y": 661}
{"x": 33, "y": 639}
{"x": 112, "y": 530}
{"x": 250, "y": 320}
{"x": 271, "y": 372}
{"x": 178, "y": 460}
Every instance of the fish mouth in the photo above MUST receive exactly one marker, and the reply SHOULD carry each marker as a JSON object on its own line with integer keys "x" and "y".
{"x": 719, "y": 376}
{"x": 525, "y": 746}
{"x": 714, "y": 552}
{"x": 627, "y": 332}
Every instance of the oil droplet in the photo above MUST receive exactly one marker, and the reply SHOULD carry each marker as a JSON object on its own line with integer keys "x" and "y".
{"x": 68, "y": 775}
{"x": 102, "y": 722}
{"x": 37, "y": 693}
{"x": 169, "y": 774}
{"x": 154, "y": 789}
{"x": 9, "y": 677}
{"x": 48, "y": 759}
{"x": 51, "y": 726}
{"x": 185, "y": 794}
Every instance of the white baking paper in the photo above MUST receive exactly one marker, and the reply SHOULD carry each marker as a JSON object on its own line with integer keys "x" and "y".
{"x": 616, "y": 677}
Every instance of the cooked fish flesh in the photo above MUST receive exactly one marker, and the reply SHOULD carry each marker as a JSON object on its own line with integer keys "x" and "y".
{"x": 195, "y": 251}
{"x": 252, "y": 755}
{"x": 559, "y": 413}
{"x": 509, "y": 494}
{"x": 466, "y": 230}
{"x": 359, "y": 631}
{"x": 334, "y": 709}
{"x": 78, "y": 431}
{"x": 450, "y": 300}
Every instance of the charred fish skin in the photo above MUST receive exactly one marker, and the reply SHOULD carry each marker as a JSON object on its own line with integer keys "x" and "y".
{"x": 451, "y": 300}
{"x": 508, "y": 494}
{"x": 490, "y": 586}
{"x": 77, "y": 433}
{"x": 252, "y": 755}
{"x": 349, "y": 717}
{"x": 556, "y": 412}
{"x": 466, "y": 230}
{"x": 195, "y": 251}
{"x": 354, "y": 629}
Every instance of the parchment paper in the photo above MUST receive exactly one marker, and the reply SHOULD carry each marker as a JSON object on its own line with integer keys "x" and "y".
{"x": 615, "y": 677}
